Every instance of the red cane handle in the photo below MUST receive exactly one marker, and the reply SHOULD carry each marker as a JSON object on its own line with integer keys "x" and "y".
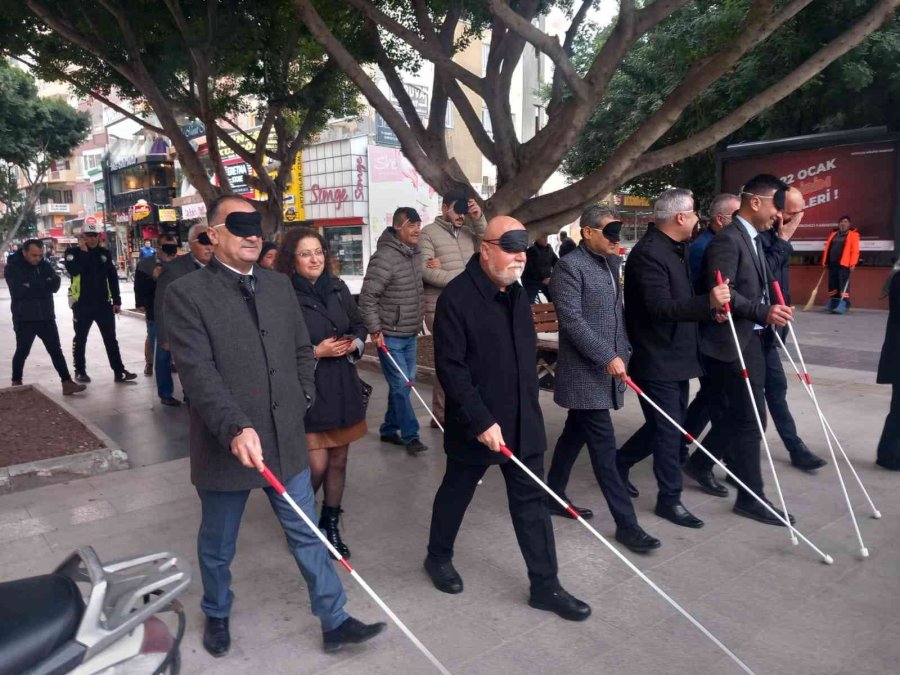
{"x": 272, "y": 480}
{"x": 506, "y": 451}
{"x": 779, "y": 296}
{"x": 720, "y": 282}
{"x": 630, "y": 383}
{"x": 383, "y": 347}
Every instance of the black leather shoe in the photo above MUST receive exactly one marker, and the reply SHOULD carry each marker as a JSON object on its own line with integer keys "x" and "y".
{"x": 83, "y": 378}
{"x": 804, "y": 459}
{"x": 171, "y": 402}
{"x": 557, "y": 510}
{"x": 216, "y": 638}
{"x": 124, "y": 376}
{"x": 351, "y": 632}
{"x": 392, "y": 439}
{"x": 635, "y": 539}
{"x": 416, "y": 447}
{"x": 706, "y": 480}
{"x": 444, "y": 576}
{"x": 756, "y": 511}
{"x": 633, "y": 492}
{"x": 561, "y": 603}
{"x": 679, "y": 515}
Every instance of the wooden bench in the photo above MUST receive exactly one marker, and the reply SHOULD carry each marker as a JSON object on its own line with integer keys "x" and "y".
{"x": 545, "y": 321}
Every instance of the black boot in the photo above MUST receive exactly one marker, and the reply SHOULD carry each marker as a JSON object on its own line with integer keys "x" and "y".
{"x": 328, "y": 523}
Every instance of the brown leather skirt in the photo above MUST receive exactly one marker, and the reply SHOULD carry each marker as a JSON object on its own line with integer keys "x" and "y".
{"x": 320, "y": 440}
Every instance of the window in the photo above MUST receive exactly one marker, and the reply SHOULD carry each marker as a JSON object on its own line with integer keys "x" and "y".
{"x": 448, "y": 120}
{"x": 89, "y": 162}
{"x": 67, "y": 196}
{"x": 537, "y": 118}
{"x": 346, "y": 247}
{"x": 485, "y": 53}
{"x": 486, "y": 122}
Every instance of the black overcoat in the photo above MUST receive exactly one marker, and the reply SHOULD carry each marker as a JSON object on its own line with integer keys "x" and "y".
{"x": 338, "y": 391}
{"x": 485, "y": 351}
{"x": 241, "y": 369}
{"x": 32, "y": 288}
{"x": 889, "y": 365}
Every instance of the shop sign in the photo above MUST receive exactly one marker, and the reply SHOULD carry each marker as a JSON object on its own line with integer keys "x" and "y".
{"x": 90, "y": 220}
{"x": 122, "y": 162}
{"x": 141, "y": 210}
{"x": 168, "y": 215}
{"x": 122, "y": 218}
{"x": 193, "y": 211}
{"x": 193, "y": 129}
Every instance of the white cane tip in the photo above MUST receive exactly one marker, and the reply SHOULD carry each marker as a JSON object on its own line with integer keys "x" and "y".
{"x": 864, "y": 552}
{"x": 795, "y": 541}
{"x": 877, "y": 515}
{"x": 829, "y": 560}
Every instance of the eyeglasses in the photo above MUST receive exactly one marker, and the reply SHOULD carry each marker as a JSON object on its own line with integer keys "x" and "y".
{"x": 308, "y": 255}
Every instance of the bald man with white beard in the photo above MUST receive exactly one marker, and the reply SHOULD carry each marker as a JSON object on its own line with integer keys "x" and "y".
{"x": 484, "y": 347}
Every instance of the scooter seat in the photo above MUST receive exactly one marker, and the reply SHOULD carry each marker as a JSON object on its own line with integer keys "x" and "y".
{"x": 37, "y": 616}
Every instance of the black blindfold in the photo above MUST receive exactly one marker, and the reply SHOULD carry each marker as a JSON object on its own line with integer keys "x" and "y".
{"x": 172, "y": 249}
{"x": 461, "y": 207}
{"x": 514, "y": 241}
{"x": 204, "y": 239}
{"x": 242, "y": 224}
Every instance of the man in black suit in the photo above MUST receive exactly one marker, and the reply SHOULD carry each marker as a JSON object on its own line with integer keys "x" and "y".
{"x": 776, "y": 244}
{"x": 662, "y": 315}
{"x": 244, "y": 354}
{"x": 484, "y": 346}
{"x": 736, "y": 252}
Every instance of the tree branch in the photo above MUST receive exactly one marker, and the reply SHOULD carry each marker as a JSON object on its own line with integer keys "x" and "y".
{"x": 424, "y": 47}
{"x": 547, "y": 44}
{"x": 433, "y": 175}
{"x": 758, "y": 24}
{"x": 568, "y": 46}
{"x": 870, "y": 22}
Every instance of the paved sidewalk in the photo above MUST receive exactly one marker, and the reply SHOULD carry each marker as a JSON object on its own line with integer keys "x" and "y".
{"x": 775, "y": 605}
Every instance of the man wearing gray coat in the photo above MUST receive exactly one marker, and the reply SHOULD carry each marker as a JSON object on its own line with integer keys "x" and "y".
{"x": 391, "y": 306}
{"x": 243, "y": 353}
{"x": 593, "y": 352}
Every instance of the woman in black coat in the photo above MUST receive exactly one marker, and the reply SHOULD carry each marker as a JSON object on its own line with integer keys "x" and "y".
{"x": 338, "y": 416}
{"x": 889, "y": 373}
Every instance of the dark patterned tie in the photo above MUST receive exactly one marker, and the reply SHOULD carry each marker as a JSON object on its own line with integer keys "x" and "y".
{"x": 248, "y": 286}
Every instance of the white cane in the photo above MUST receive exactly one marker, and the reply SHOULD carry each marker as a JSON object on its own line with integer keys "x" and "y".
{"x": 384, "y": 349}
{"x": 279, "y": 488}
{"x": 759, "y": 424}
{"x": 807, "y": 383}
{"x": 574, "y": 514}
{"x": 827, "y": 559}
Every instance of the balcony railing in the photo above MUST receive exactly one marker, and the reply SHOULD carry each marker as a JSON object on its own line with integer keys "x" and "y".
{"x": 154, "y": 195}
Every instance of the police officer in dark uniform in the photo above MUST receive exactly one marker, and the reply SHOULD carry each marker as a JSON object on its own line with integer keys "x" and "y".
{"x": 94, "y": 296}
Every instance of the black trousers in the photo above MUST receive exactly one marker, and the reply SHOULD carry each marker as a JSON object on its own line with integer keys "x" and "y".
{"x": 837, "y": 277}
{"x": 776, "y": 387}
{"x": 595, "y": 428}
{"x": 697, "y": 416}
{"x": 85, "y": 317}
{"x": 889, "y": 445}
{"x": 26, "y": 332}
{"x": 776, "y": 396}
{"x": 527, "y": 507}
{"x": 659, "y": 437}
{"x": 735, "y": 434}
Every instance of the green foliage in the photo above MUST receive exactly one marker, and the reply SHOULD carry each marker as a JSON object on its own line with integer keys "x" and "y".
{"x": 33, "y": 133}
{"x": 860, "y": 89}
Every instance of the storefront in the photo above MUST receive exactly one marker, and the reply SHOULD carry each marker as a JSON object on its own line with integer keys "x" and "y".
{"x": 336, "y": 202}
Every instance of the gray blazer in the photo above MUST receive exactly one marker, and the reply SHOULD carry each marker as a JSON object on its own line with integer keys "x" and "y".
{"x": 177, "y": 268}
{"x": 241, "y": 368}
{"x": 588, "y": 299}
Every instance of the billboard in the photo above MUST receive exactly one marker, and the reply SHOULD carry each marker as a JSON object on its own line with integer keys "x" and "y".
{"x": 855, "y": 180}
{"x": 393, "y": 182}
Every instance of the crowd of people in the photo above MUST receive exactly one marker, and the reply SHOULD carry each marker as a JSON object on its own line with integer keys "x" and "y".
{"x": 266, "y": 339}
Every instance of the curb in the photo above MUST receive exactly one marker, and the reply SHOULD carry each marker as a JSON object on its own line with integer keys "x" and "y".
{"x": 42, "y": 472}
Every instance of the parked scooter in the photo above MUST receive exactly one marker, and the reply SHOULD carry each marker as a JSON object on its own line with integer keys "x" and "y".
{"x": 90, "y": 617}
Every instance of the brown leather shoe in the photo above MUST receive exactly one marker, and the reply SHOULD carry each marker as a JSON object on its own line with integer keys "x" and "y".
{"x": 70, "y": 387}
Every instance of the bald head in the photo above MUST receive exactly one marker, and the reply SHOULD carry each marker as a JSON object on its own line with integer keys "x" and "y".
{"x": 499, "y": 224}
